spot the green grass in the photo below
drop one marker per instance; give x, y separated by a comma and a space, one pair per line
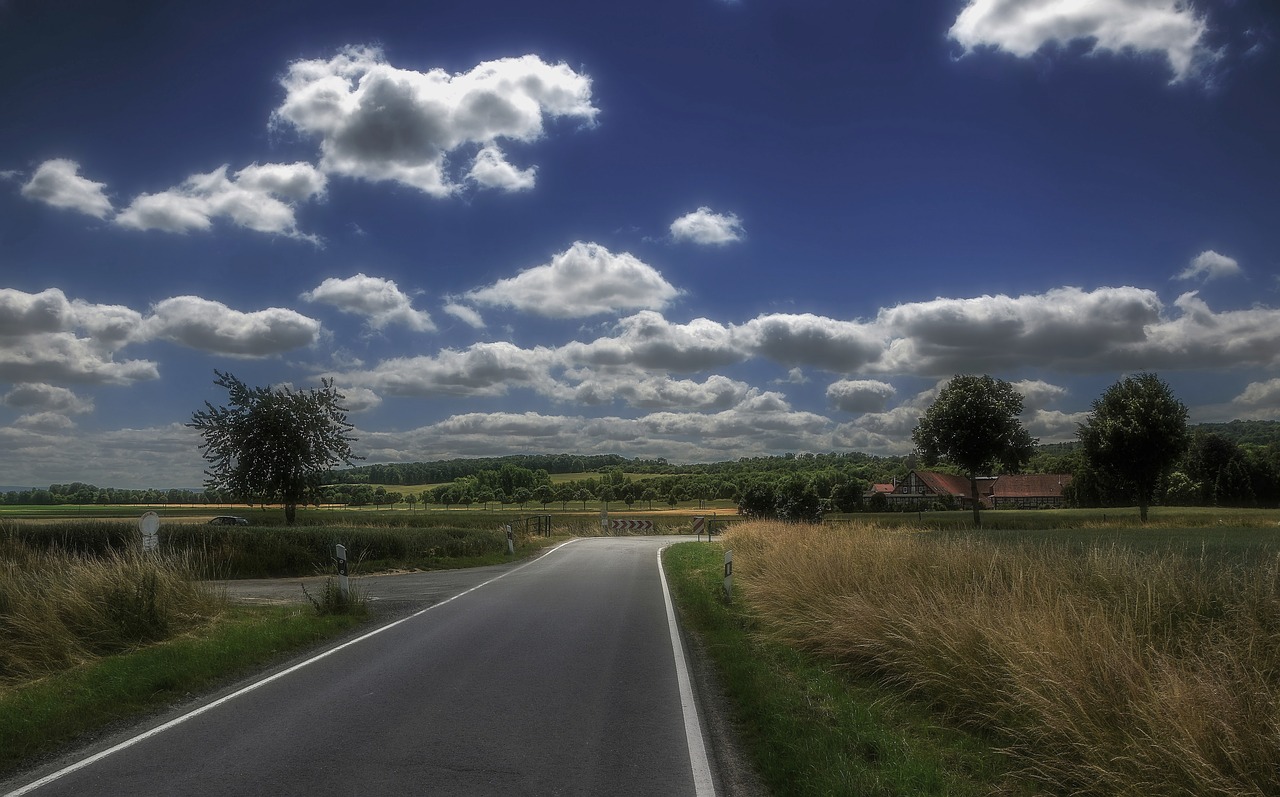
39, 717
812, 729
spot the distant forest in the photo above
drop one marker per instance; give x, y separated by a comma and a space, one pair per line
1229, 464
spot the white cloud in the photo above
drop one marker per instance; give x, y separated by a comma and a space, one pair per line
1023, 27
1063, 328
704, 226
39, 344
46, 398
465, 314
491, 170
807, 339
1265, 395
658, 392
49, 451
586, 279
258, 197
58, 183
1210, 265
379, 300
359, 399
59, 357
212, 326
483, 369
45, 422
648, 340
1038, 394
379, 122
859, 395
1052, 426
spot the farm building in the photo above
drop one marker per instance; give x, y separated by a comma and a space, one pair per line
922, 488
1029, 491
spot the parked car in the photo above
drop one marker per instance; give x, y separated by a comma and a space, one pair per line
229, 520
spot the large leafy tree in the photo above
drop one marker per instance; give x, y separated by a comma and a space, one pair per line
1135, 434
273, 444
973, 425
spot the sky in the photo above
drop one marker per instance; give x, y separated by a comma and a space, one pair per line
695, 229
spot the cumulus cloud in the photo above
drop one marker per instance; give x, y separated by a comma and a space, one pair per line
40, 397
39, 340
1023, 27
1065, 327
380, 122
859, 395
379, 300
584, 280
1210, 265
465, 314
658, 392
1261, 394
1199, 337
491, 170
1038, 394
61, 357
705, 226
58, 183
483, 369
258, 197
648, 340
359, 399
49, 451
807, 339
213, 327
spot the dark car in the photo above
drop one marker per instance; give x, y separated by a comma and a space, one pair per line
229, 520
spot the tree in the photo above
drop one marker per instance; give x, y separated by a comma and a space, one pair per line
273, 444
973, 424
1134, 435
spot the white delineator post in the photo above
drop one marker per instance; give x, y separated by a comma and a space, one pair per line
728, 574
343, 583
511, 540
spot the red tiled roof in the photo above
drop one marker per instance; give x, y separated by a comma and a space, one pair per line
945, 483
882, 488
1032, 485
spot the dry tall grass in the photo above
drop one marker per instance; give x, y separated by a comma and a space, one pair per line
59, 609
1110, 672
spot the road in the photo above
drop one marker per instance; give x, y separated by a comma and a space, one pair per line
560, 676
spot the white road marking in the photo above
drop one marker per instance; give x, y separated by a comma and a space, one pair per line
703, 784
173, 723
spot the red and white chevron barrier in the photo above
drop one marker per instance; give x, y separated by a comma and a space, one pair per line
631, 525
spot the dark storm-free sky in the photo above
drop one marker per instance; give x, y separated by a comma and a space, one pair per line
697, 230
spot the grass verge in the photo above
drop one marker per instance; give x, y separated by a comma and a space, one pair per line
38, 717
810, 727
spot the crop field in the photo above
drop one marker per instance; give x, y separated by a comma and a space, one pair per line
1105, 658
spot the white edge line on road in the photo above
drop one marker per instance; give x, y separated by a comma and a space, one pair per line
703, 784
159, 729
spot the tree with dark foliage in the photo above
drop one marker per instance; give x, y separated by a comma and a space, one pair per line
1134, 435
973, 424
273, 444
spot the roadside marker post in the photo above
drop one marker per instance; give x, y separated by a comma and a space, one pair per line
728, 574
511, 540
343, 583
699, 522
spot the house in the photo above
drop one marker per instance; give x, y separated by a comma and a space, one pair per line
922, 488
1029, 491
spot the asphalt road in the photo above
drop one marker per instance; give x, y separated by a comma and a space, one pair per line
555, 677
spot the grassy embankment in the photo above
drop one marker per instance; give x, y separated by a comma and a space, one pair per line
1102, 661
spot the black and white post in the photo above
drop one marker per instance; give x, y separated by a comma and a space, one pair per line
511, 540
728, 574
343, 584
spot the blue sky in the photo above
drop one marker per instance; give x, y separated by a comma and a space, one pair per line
699, 230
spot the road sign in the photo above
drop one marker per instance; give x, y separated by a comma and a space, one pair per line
149, 525
631, 525
700, 523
